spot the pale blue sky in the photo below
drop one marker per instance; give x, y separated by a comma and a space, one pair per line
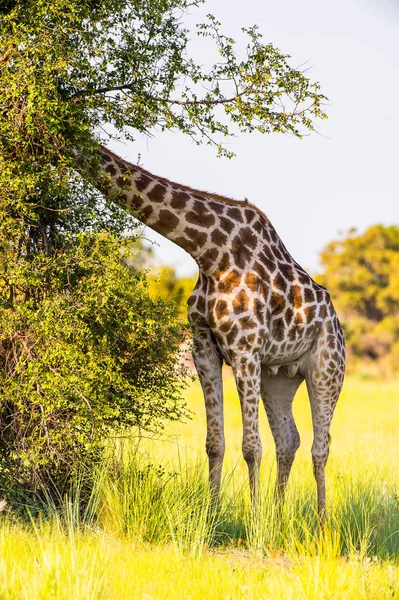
314, 188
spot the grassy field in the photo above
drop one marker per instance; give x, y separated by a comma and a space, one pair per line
147, 532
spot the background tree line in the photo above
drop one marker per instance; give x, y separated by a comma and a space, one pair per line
361, 271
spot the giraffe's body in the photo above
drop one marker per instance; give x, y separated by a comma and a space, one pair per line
253, 307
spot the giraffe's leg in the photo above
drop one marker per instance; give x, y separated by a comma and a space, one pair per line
247, 375
208, 362
324, 386
277, 393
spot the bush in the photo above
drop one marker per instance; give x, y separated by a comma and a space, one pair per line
85, 352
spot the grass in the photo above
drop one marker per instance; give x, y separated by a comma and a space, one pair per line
148, 531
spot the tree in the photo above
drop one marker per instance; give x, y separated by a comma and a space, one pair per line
362, 273
71, 73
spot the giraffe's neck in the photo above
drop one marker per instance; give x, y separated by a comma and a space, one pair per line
182, 215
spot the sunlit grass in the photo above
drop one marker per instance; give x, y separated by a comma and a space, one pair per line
53, 562
147, 530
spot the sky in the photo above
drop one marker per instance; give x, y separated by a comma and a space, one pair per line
313, 190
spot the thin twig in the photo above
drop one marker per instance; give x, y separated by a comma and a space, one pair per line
6, 55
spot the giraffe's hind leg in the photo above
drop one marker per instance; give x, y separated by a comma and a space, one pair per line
323, 399
324, 380
277, 393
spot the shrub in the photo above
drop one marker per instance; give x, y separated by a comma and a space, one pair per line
85, 353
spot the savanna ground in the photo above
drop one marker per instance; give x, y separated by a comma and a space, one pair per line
147, 532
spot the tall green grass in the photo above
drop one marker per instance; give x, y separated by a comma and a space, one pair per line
143, 526
145, 529
135, 499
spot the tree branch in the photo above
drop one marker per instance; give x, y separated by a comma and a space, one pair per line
6, 54
129, 86
102, 90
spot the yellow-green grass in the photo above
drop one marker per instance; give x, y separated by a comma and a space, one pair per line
49, 564
148, 531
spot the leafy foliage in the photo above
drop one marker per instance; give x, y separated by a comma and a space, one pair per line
86, 354
362, 273
80, 65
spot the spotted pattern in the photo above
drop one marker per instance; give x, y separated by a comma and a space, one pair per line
254, 308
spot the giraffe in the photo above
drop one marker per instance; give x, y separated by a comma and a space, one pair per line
253, 308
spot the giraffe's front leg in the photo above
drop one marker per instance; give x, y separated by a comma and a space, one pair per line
208, 362
247, 371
